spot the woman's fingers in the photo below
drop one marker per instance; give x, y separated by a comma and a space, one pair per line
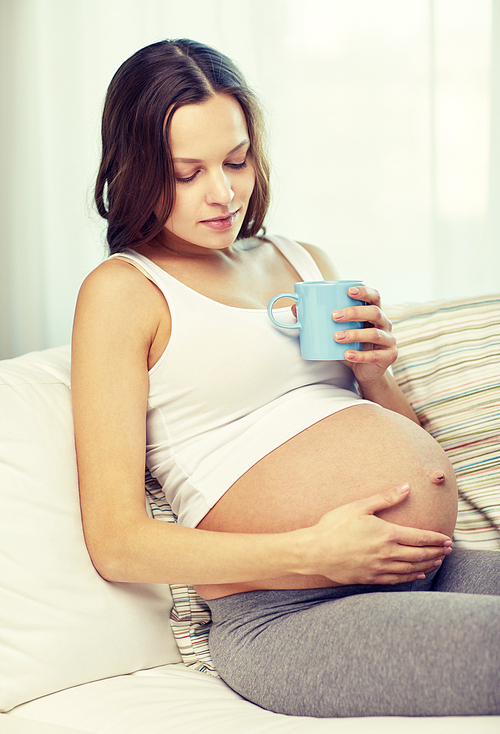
377, 337
362, 293
415, 539
383, 500
371, 314
393, 579
411, 560
354, 546
402, 572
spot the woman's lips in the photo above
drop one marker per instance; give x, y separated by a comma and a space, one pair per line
220, 223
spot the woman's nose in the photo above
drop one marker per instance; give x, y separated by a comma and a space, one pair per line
220, 190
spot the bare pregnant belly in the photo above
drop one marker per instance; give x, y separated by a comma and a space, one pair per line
352, 454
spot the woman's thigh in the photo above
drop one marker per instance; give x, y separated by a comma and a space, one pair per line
469, 572
366, 654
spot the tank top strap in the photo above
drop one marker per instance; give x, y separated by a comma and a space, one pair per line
163, 280
297, 256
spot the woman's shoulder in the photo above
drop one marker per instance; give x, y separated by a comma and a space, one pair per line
120, 292
115, 277
320, 257
322, 260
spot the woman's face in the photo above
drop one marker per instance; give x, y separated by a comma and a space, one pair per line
214, 172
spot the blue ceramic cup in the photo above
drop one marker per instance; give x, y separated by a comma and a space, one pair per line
316, 299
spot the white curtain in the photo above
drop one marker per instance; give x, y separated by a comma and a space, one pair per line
384, 120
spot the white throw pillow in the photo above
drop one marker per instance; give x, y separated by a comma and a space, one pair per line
61, 624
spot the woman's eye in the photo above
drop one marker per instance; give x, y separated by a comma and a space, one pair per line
233, 166
238, 165
179, 179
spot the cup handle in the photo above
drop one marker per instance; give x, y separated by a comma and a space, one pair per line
270, 310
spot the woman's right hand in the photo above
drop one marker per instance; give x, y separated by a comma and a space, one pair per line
351, 545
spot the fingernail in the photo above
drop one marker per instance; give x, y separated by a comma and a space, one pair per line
437, 562
340, 336
337, 315
351, 356
354, 291
403, 488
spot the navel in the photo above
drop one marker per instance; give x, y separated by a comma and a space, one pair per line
438, 477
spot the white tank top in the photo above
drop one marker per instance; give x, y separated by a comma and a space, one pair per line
229, 388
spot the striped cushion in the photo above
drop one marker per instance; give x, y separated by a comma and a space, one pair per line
449, 368
190, 616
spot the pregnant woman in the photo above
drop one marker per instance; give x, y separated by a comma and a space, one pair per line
311, 505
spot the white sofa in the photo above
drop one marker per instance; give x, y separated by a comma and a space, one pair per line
79, 654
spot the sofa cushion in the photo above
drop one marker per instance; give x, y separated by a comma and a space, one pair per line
449, 368
176, 700
61, 624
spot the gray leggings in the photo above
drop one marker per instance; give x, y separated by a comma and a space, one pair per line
361, 651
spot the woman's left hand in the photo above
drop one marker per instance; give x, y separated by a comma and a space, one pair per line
379, 345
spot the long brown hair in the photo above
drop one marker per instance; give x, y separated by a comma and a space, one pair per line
136, 172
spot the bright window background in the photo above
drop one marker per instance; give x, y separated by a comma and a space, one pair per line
384, 120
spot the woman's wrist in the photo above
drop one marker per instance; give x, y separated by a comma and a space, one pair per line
301, 552
377, 388
386, 392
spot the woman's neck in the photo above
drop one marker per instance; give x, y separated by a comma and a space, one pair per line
169, 244
172, 242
